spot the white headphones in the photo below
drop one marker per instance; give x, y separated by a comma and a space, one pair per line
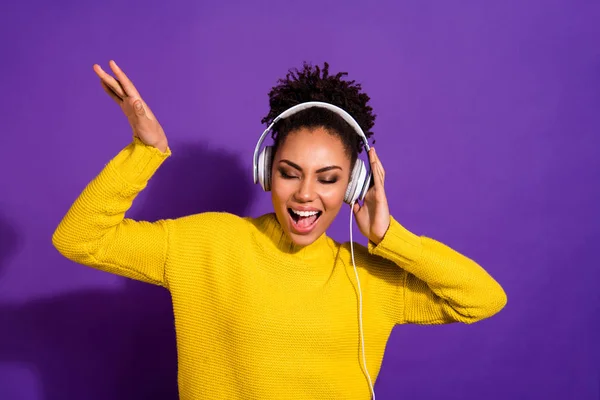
360, 178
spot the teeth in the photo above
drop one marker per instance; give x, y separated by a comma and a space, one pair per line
304, 213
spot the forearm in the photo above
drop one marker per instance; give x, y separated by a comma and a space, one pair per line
461, 290
95, 232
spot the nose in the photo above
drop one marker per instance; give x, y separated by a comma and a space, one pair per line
306, 191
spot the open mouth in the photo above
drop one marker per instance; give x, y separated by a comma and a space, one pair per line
304, 220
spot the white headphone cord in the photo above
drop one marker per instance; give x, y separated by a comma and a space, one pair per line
362, 338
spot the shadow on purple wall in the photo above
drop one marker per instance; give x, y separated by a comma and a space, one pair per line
9, 241
99, 344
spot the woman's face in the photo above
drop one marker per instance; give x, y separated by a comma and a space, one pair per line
309, 178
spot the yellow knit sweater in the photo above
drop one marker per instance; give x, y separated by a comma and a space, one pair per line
257, 317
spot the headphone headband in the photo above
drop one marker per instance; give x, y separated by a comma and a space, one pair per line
296, 109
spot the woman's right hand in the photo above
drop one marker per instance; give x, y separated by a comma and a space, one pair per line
144, 124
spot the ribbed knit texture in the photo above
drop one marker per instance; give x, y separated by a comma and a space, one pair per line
257, 317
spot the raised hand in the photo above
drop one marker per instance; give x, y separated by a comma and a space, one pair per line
373, 217
144, 124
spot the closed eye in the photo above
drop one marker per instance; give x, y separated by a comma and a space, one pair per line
328, 181
285, 175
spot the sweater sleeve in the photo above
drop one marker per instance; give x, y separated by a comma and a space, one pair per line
439, 285
95, 232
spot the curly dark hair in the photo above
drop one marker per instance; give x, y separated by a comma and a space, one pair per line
316, 84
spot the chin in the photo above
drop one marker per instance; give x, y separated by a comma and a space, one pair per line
302, 240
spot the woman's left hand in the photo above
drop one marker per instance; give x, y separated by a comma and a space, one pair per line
373, 217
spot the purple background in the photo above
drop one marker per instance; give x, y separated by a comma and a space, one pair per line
488, 119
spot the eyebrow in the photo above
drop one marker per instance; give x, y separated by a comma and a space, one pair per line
324, 169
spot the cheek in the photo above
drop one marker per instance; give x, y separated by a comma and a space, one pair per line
333, 197
281, 189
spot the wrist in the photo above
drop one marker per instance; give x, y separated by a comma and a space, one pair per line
377, 236
163, 145
160, 143
398, 242
376, 239
138, 161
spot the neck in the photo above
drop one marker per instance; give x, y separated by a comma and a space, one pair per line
277, 240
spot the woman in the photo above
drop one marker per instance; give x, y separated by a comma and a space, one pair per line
270, 307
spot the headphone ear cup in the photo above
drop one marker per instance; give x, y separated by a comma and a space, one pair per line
264, 168
366, 185
357, 182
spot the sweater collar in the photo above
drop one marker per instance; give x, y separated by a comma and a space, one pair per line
275, 238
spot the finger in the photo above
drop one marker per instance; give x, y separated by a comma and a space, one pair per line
381, 172
376, 156
378, 177
373, 158
139, 108
148, 111
110, 92
110, 81
128, 86
375, 169
371, 154
379, 166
